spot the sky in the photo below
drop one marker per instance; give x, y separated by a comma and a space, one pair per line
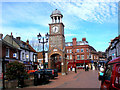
97, 21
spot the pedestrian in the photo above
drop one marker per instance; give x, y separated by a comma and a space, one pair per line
95, 67
71, 68
87, 68
91, 67
99, 67
83, 66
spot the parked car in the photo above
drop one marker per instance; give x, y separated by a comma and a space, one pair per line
31, 71
50, 72
110, 79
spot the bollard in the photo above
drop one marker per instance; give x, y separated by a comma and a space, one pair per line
35, 78
21, 81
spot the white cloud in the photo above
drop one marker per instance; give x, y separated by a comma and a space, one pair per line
89, 11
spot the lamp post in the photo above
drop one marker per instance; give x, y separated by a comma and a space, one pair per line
44, 40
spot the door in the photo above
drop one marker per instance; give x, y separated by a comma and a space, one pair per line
106, 83
117, 77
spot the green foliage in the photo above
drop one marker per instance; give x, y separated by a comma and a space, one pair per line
14, 70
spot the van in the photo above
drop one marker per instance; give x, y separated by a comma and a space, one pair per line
110, 79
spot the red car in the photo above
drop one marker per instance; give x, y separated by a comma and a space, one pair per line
31, 71
111, 76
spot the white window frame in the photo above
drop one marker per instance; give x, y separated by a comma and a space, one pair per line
78, 56
34, 58
78, 50
82, 57
70, 56
70, 50
17, 55
23, 56
8, 52
67, 56
87, 56
67, 50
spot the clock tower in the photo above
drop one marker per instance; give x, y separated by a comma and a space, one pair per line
56, 51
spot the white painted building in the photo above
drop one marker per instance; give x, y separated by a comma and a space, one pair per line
113, 50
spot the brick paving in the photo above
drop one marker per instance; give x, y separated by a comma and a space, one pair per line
81, 79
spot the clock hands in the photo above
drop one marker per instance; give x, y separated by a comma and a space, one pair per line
55, 29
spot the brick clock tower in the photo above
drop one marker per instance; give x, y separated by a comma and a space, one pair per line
56, 53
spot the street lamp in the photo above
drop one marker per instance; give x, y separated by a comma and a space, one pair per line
45, 40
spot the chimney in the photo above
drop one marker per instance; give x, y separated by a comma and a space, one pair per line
1, 36
83, 39
11, 33
18, 38
27, 41
74, 41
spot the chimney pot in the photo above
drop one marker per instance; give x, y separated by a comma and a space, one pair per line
18, 38
83, 39
74, 41
11, 33
27, 41
1, 36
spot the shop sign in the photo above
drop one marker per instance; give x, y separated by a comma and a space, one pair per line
14, 55
27, 56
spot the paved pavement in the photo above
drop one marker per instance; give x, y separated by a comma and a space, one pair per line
81, 79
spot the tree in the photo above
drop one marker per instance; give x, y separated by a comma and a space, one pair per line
38, 46
14, 70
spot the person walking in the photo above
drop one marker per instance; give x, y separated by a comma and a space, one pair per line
71, 68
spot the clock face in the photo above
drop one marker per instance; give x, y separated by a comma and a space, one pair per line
55, 29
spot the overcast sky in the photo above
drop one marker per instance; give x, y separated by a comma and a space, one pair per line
97, 21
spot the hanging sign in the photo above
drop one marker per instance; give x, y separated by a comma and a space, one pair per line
14, 55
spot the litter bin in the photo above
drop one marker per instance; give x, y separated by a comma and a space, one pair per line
21, 81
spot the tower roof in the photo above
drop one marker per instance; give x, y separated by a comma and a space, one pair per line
56, 12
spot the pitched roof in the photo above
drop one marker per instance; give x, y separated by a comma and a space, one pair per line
23, 44
8, 44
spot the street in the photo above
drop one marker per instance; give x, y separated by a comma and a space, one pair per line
81, 79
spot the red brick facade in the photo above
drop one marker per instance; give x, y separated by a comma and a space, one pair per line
80, 53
